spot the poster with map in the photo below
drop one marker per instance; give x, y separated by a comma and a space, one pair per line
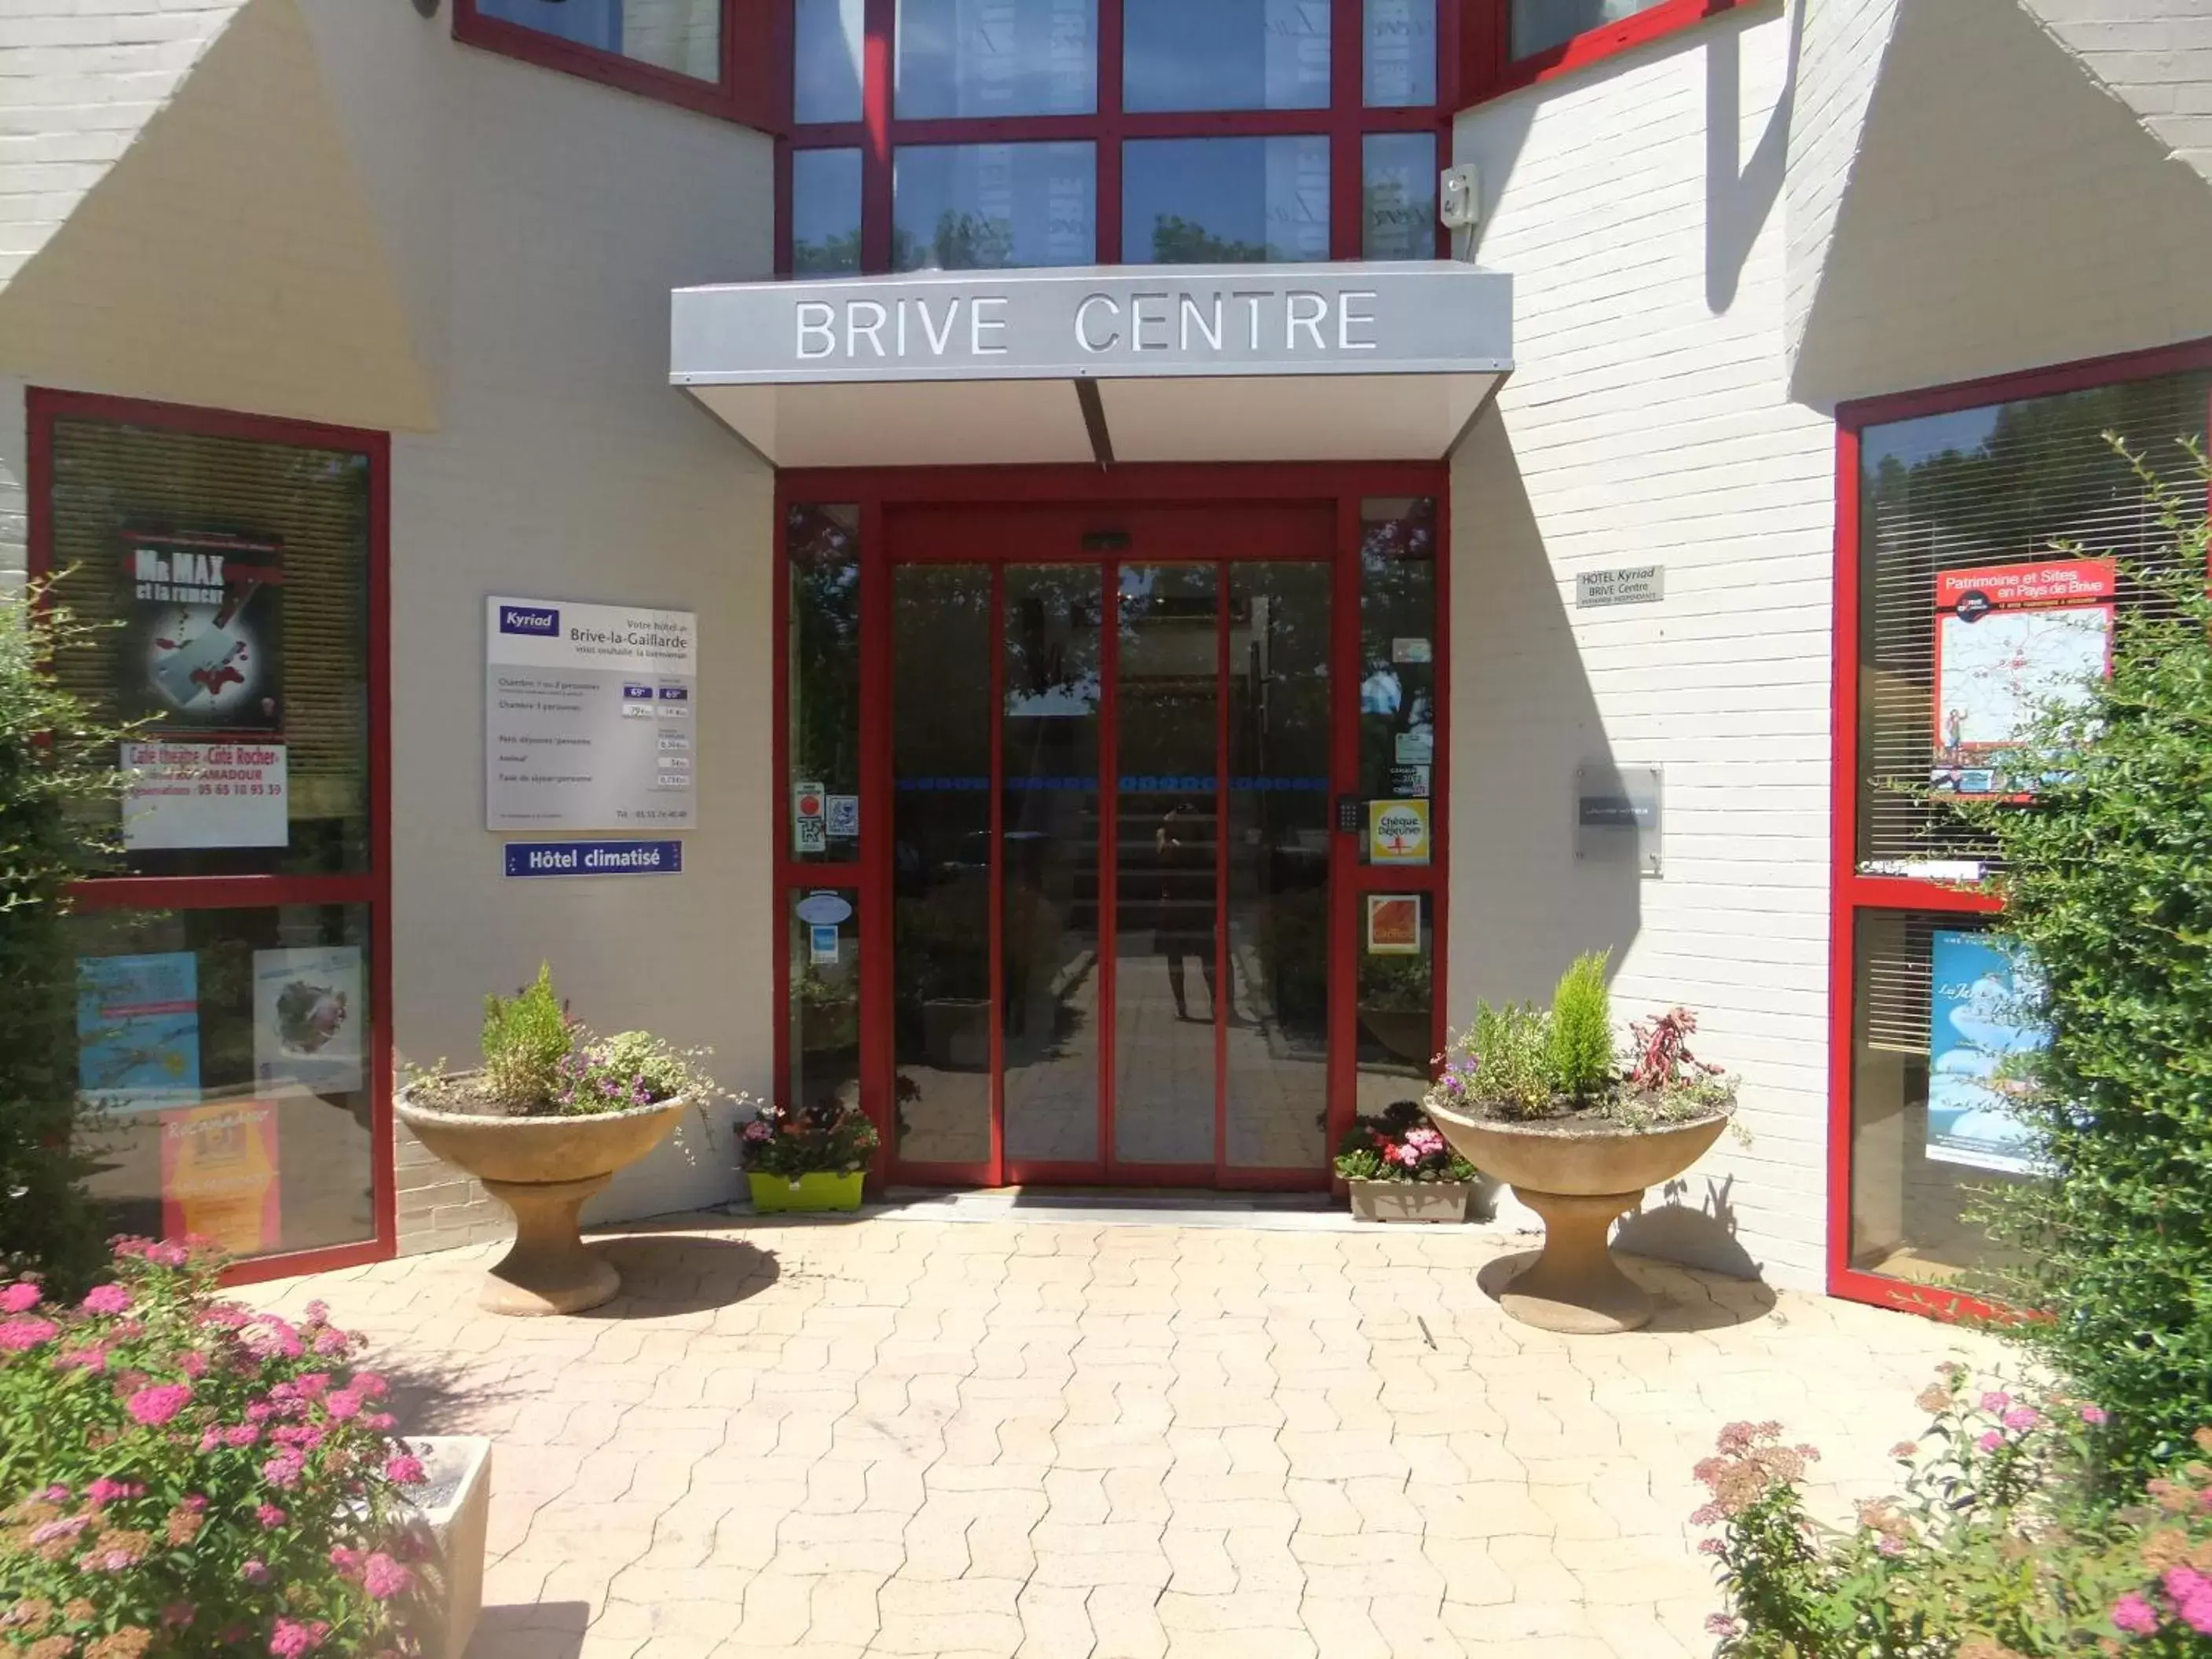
2010, 640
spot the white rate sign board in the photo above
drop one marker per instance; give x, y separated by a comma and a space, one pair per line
588, 712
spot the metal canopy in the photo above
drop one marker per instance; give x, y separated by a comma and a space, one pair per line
1382, 362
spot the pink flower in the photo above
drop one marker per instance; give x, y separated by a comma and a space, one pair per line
346, 1559
384, 1578
328, 1341
110, 1556
167, 1255
20, 1297
1996, 1401
69, 1526
1890, 1545
382, 1422
18, 1334
106, 1299
2095, 1416
241, 1435
1720, 1623
193, 1362
2022, 1417
104, 1490
291, 1639
270, 1516
179, 1614
253, 1570
370, 1385
404, 1469
93, 1358
1711, 1547
284, 1469
342, 1403
57, 1493
157, 1405
2192, 1594
310, 1384
318, 1312
2134, 1615
268, 1337
1990, 1440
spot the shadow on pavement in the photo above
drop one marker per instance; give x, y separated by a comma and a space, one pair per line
1687, 1301
540, 1629
673, 1273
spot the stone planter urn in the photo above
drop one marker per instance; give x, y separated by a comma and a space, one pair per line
543, 1169
1410, 1201
1580, 1178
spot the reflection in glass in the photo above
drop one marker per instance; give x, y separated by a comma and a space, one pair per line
1398, 196
822, 549
1195, 201
287, 528
826, 212
826, 59
1049, 862
228, 1052
982, 207
824, 1010
1910, 1195
1225, 54
1166, 985
1396, 1012
941, 650
1540, 25
1400, 68
1397, 652
681, 35
1279, 852
984, 57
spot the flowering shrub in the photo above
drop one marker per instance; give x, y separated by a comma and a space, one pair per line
2000, 1545
828, 1137
1524, 1064
182, 1476
1399, 1143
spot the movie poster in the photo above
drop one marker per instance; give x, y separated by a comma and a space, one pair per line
203, 634
219, 1176
2010, 640
307, 1015
138, 1030
1983, 1014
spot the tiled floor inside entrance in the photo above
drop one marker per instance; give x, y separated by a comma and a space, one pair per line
901, 1435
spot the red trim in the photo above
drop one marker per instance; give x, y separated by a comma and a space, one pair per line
1850, 893
754, 87
372, 887
1489, 69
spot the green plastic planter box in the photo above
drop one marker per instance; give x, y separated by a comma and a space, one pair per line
821, 1189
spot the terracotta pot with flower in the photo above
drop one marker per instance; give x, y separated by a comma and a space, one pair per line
1400, 1168
1542, 1100
552, 1114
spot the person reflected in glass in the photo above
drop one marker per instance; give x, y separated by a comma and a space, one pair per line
1183, 847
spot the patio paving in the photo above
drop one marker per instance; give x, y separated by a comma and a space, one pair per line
932, 1437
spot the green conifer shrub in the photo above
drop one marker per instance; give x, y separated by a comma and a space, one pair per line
1581, 1035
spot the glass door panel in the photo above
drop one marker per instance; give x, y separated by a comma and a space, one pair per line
1278, 912
941, 663
1048, 905
1167, 722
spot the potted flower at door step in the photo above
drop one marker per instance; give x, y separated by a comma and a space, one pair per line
553, 1112
812, 1159
1540, 1099
1400, 1168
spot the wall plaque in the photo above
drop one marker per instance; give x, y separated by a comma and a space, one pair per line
1635, 583
1617, 814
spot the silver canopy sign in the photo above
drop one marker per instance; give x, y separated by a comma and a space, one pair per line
1390, 361
1424, 317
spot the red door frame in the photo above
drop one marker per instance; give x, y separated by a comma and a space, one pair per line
1852, 893
1158, 496
371, 887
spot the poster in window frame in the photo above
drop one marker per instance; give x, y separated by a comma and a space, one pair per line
1991, 621
1982, 1019
203, 639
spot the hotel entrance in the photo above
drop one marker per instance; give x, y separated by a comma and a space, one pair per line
1114, 817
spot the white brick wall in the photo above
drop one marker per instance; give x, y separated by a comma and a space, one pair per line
1648, 421
2155, 55
2004, 210
341, 214
1839, 57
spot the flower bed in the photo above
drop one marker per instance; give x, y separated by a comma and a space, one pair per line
181, 1476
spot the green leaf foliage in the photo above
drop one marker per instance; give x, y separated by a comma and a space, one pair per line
2106, 879
58, 761
526, 1038
1581, 1036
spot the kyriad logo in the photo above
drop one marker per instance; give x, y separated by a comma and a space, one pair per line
542, 622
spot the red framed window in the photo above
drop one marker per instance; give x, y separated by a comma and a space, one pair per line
944, 134
1943, 497
234, 970
1509, 44
718, 57
975, 873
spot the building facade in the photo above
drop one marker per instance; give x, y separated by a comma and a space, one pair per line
1616, 570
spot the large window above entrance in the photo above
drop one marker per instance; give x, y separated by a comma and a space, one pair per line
959, 135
